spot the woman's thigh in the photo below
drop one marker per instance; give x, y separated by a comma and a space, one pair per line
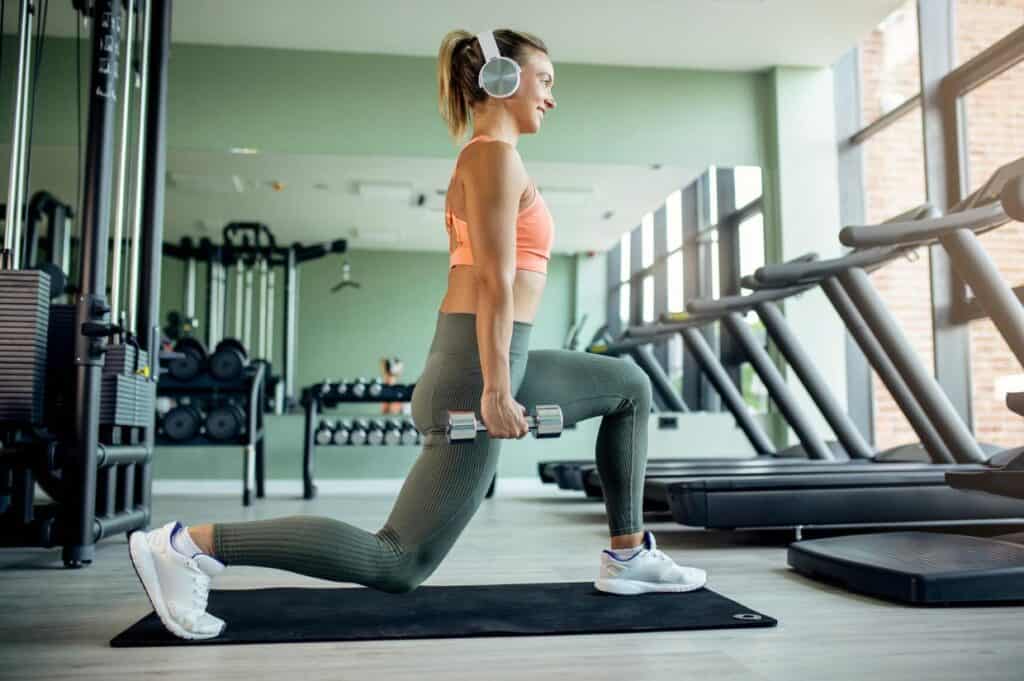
583, 384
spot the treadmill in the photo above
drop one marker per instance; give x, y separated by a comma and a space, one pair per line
812, 449
569, 474
841, 495
852, 450
658, 479
931, 568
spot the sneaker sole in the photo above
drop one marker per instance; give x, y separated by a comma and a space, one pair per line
621, 587
142, 563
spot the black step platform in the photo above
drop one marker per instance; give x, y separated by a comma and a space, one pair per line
916, 567
853, 498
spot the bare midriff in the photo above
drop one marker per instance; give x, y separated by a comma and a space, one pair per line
527, 289
527, 286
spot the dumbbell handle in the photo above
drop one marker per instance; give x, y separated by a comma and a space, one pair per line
463, 425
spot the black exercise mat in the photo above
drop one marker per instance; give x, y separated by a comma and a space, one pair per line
362, 614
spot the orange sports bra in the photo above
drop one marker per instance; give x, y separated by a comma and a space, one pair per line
535, 232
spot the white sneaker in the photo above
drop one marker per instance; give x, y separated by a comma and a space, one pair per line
646, 571
177, 585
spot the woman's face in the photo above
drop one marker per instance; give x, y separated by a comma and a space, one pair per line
533, 99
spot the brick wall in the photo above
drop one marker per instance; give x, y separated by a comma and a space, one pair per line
894, 181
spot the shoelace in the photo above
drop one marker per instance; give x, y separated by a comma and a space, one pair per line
200, 586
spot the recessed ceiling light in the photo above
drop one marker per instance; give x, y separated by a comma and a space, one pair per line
247, 151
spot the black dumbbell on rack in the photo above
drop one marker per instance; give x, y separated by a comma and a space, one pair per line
225, 423
182, 423
229, 360
192, 360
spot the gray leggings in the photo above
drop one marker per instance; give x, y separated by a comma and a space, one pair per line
447, 483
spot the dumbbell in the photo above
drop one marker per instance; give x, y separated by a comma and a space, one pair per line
182, 423
226, 423
324, 434
358, 388
228, 360
192, 361
546, 421
358, 434
392, 432
409, 432
375, 433
341, 432
340, 390
375, 388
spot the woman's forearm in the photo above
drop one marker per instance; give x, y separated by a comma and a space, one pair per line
494, 319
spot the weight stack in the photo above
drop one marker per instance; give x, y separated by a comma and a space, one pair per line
127, 396
24, 329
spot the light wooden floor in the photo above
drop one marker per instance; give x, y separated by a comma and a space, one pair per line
56, 624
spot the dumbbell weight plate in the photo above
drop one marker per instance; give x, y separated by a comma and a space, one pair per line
324, 436
548, 421
191, 364
182, 423
225, 423
229, 360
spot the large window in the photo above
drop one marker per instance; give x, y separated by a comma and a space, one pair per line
894, 183
973, 65
694, 262
890, 63
995, 136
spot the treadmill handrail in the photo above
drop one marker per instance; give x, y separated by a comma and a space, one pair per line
813, 272
739, 303
979, 220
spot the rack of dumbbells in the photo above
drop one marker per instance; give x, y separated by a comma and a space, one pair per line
242, 274
215, 400
351, 432
76, 389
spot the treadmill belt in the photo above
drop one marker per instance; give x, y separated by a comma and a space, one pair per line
872, 497
292, 615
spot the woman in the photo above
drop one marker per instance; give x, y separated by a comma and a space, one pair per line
500, 234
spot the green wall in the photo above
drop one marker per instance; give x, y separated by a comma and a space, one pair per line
305, 102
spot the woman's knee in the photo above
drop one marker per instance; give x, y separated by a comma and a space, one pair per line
409, 574
637, 384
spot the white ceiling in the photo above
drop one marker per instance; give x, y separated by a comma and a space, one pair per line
318, 200
704, 34
707, 34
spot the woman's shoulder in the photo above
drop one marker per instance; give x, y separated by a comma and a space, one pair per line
490, 159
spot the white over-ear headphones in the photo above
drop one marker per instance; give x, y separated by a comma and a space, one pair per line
499, 77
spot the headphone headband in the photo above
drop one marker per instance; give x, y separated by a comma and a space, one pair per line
489, 45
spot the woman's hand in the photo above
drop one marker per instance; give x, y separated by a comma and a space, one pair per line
503, 416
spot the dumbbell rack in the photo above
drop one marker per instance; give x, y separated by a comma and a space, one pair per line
316, 397
251, 387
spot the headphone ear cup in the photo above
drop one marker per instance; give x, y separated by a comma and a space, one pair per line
499, 77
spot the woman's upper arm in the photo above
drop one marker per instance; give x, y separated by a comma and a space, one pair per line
494, 181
